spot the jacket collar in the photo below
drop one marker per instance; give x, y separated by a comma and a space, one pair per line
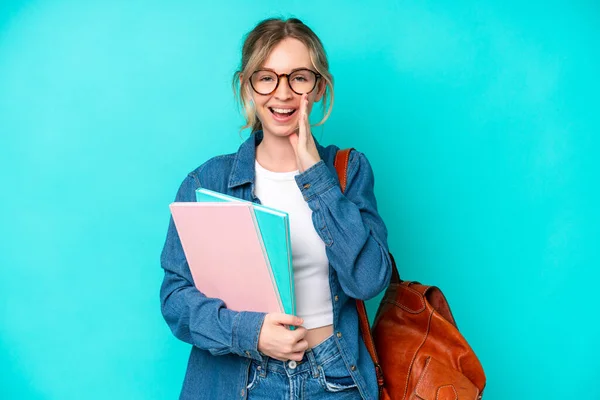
243, 170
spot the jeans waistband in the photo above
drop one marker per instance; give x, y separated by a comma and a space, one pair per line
314, 357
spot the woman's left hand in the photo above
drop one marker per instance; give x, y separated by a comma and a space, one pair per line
303, 141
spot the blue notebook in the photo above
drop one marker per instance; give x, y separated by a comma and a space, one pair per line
274, 226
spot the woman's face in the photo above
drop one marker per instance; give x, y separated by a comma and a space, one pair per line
279, 111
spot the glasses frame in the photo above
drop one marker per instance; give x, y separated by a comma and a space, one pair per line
287, 78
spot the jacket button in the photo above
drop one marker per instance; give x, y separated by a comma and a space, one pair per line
247, 353
353, 367
339, 334
336, 297
306, 186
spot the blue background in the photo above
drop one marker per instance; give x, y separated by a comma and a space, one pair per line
480, 119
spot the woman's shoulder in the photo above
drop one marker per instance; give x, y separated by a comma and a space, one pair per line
356, 159
359, 172
212, 174
218, 164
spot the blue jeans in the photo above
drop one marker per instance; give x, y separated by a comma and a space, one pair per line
322, 374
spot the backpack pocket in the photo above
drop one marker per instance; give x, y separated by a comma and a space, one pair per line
440, 382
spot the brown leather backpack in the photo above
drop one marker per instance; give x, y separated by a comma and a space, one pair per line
418, 352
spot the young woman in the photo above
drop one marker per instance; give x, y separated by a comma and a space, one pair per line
339, 241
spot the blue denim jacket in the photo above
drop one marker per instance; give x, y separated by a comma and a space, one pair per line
224, 341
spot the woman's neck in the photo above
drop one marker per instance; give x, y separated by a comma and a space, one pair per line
276, 154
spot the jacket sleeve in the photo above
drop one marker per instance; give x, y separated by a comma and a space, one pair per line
349, 224
194, 318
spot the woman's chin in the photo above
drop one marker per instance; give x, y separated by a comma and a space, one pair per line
280, 131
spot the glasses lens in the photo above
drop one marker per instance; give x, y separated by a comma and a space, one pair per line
264, 82
303, 81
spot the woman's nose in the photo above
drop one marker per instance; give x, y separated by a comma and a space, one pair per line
283, 91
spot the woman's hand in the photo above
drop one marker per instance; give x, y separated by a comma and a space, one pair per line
278, 342
302, 141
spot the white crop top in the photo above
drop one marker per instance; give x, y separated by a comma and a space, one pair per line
311, 266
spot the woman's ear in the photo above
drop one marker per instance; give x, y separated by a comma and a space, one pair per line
246, 90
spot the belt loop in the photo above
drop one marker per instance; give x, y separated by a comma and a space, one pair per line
314, 368
263, 366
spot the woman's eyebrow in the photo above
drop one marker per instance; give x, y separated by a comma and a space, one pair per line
292, 71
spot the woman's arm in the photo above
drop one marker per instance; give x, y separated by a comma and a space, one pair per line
349, 224
194, 318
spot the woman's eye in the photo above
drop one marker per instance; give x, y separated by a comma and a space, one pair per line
300, 78
266, 79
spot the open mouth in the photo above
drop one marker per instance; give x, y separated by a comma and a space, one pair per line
282, 112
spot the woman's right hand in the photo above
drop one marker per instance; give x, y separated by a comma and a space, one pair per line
279, 342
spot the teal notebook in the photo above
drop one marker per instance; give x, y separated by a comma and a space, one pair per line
274, 226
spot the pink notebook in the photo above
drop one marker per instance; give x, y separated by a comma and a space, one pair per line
225, 254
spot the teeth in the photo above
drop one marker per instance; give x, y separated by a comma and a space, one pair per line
283, 110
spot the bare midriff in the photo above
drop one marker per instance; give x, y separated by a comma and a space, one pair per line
317, 335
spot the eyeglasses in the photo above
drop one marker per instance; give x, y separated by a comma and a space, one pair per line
301, 81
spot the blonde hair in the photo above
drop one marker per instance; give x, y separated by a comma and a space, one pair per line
258, 45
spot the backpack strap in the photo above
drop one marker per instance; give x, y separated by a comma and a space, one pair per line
341, 166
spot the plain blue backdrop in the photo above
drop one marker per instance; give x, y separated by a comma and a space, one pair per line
480, 119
